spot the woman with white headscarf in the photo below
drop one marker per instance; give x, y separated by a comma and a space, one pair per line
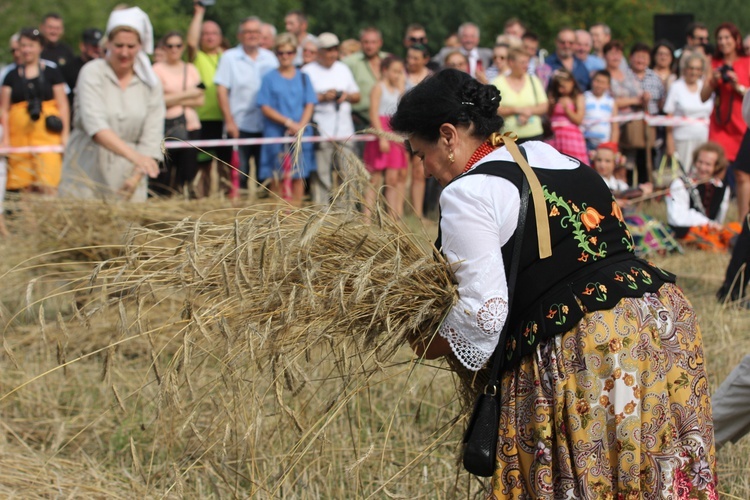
119, 117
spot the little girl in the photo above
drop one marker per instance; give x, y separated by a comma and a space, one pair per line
566, 110
384, 155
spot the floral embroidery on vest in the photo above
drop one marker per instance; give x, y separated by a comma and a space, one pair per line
584, 220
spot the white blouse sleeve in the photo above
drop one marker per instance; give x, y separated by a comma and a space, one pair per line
479, 215
679, 212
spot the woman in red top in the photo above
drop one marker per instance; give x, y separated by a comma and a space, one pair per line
729, 81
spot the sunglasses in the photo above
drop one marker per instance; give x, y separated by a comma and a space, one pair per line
286, 52
414, 39
173, 45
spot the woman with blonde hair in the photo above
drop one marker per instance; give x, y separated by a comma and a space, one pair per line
119, 118
35, 112
287, 100
524, 99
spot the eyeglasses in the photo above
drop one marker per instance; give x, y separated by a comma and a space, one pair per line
695, 68
566, 42
417, 39
702, 39
286, 52
173, 45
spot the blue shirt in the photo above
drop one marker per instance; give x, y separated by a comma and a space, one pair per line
594, 63
242, 76
580, 73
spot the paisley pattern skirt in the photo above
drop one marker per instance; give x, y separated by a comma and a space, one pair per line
617, 407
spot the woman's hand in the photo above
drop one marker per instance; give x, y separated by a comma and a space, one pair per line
292, 127
566, 102
384, 144
145, 165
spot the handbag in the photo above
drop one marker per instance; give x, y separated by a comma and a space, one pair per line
481, 435
177, 127
636, 134
664, 175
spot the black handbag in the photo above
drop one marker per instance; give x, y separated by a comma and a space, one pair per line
176, 128
481, 435
54, 124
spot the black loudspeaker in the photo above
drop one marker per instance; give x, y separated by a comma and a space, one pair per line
672, 27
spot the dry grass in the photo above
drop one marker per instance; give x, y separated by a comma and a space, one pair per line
200, 361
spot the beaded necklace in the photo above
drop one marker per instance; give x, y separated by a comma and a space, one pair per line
483, 150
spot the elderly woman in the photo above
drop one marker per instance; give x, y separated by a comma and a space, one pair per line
684, 101
34, 110
603, 388
119, 122
524, 99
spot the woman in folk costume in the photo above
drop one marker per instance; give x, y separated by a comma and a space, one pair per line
119, 118
603, 390
697, 206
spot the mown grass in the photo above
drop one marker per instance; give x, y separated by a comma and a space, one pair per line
81, 420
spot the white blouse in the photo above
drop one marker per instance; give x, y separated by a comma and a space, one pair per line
681, 214
479, 214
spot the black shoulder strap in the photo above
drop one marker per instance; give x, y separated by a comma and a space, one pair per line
497, 362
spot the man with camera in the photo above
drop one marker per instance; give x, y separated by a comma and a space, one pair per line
336, 90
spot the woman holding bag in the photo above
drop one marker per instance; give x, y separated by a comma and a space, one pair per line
603, 389
182, 94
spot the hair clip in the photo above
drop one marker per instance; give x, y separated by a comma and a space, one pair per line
466, 103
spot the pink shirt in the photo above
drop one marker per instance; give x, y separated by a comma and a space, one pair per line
174, 80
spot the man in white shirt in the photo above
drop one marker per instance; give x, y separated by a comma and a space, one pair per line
480, 58
238, 78
336, 90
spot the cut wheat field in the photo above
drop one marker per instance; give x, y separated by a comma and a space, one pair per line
140, 377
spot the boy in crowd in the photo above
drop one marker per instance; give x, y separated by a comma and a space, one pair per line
598, 125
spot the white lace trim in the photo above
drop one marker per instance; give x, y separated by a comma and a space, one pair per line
475, 339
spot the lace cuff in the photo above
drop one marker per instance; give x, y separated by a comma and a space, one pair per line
473, 337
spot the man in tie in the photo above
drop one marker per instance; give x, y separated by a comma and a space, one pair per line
479, 57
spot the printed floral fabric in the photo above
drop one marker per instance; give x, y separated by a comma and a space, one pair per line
615, 408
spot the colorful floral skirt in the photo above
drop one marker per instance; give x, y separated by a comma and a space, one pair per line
616, 408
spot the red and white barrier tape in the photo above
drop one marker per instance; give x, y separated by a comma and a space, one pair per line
652, 120
208, 143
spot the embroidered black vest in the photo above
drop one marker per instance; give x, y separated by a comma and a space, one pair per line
711, 198
592, 265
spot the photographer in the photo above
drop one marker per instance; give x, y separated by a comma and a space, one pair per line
35, 112
728, 81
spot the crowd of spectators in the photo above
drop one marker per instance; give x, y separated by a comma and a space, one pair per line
112, 104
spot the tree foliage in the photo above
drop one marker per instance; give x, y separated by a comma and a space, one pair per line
630, 20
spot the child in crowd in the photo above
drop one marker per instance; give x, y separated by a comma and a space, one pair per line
384, 155
566, 110
607, 162
598, 125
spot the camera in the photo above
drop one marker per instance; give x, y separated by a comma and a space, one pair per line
724, 70
339, 93
35, 109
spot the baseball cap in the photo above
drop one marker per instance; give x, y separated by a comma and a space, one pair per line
92, 36
327, 41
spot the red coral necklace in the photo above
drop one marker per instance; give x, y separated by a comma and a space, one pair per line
483, 150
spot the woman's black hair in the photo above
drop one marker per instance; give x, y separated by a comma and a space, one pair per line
448, 96
666, 44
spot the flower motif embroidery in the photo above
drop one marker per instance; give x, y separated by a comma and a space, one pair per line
492, 315
584, 257
554, 212
591, 218
701, 474
617, 212
543, 454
